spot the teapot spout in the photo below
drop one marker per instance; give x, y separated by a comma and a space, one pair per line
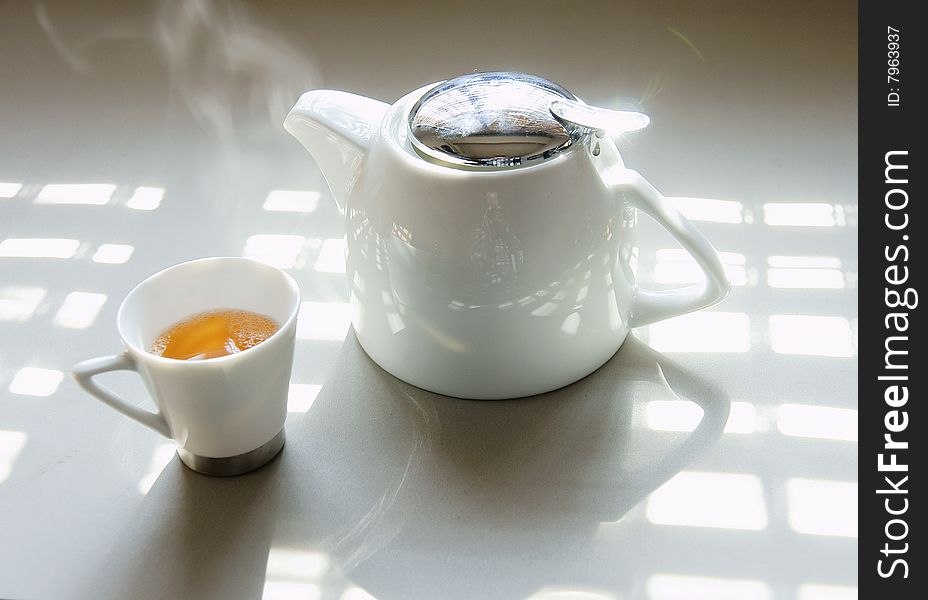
337, 129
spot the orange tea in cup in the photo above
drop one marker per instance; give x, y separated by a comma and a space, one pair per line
212, 334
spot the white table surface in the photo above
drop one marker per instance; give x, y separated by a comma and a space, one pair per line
612, 487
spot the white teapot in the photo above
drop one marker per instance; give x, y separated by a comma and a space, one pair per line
490, 225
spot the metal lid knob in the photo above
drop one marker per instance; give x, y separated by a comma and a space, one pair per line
504, 120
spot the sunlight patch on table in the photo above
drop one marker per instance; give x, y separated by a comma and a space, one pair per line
38, 248
822, 422
331, 258
804, 262
687, 587
160, 459
819, 507
571, 593
323, 321
283, 251
113, 254
812, 279
789, 214
805, 272
145, 198
11, 443
702, 332
96, 194
811, 335
19, 303
298, 201
708, 209
35, 381
292, 573
301, 396
718, 500
290, 590
685, 416
814, 591
356, 593
742, 418
80, 310
288, 563
673, 415
675, 265
9, 189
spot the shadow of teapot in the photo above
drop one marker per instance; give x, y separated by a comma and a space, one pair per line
573, 452
484, 483
380, 478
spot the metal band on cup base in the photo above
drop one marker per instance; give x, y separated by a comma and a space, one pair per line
239, 464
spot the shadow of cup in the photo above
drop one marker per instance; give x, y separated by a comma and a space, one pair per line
195, 536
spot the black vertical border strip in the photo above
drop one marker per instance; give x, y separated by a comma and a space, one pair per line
883, 128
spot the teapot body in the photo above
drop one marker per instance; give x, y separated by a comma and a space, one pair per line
490, 284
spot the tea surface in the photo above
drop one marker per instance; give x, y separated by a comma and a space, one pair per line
212, 334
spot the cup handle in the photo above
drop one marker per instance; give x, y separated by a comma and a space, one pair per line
84, 373
649, 306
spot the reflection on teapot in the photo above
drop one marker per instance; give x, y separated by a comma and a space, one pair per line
491, 232
496, 256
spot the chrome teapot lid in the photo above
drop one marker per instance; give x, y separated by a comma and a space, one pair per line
506, 119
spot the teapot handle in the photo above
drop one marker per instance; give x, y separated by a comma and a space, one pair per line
649, 306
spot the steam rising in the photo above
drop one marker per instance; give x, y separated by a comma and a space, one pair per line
221, 63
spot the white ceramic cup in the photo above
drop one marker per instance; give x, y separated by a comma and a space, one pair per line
225, 414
